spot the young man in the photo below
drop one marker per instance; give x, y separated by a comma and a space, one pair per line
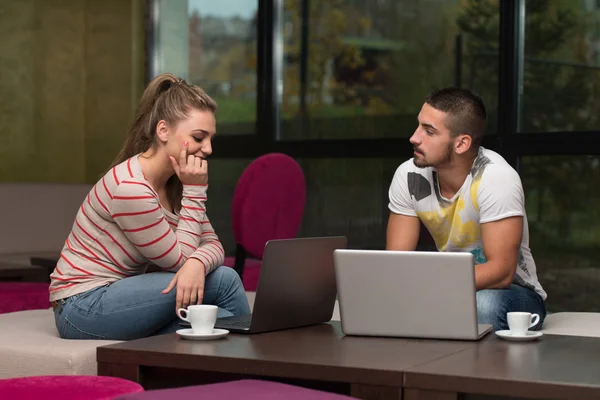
470, 199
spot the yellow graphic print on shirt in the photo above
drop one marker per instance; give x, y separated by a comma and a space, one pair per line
446, 225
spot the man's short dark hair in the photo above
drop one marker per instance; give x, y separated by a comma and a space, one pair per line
465, 109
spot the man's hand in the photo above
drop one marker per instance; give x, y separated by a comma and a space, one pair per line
190, 283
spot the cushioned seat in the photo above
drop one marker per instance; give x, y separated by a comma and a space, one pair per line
30, 345
247, 389
19, 296
66, 387
572, 324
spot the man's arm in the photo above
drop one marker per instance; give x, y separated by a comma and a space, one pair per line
501, 242
402, 232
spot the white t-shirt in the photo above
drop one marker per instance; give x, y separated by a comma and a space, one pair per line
491, 192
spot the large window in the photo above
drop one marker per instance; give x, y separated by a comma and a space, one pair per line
344, 197
212, 44
563, 208
343, 80
561, 64
362, 68
348, 197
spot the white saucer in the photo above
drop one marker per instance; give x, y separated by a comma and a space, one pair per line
530, 335
190, 335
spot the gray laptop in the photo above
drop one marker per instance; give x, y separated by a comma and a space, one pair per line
296, 286
407, 294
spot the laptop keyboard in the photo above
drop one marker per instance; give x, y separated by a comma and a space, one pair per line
237, 323
242, 320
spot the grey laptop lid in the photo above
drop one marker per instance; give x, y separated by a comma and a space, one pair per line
407, 294
296, 286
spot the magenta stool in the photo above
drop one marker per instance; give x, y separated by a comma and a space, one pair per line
20, 296
64, 387
247, 389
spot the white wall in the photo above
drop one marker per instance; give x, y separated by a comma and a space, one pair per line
37, 217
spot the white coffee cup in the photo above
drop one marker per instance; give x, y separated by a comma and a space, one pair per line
202, 317
520, 322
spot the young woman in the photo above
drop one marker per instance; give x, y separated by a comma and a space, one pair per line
148, 209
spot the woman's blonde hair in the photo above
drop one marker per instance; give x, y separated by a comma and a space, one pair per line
167, 98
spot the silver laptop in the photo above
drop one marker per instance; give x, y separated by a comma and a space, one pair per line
296, 286
407, 294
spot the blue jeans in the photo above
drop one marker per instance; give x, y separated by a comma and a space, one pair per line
134, 307
493, 304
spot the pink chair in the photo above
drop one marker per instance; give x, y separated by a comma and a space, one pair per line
66, 387
247, 389
19, 296
268, 203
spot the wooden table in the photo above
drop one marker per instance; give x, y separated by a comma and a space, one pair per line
12, 272
45, 260
320, 357
49, 261
557, 367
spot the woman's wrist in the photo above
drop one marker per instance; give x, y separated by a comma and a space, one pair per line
197, 264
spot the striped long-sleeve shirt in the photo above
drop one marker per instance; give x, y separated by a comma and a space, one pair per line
121, 227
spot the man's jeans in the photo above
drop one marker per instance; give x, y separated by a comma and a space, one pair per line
134, 307
493, 304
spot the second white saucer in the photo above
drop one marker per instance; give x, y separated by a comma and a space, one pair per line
530, 335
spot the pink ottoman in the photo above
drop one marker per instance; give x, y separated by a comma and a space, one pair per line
66, 387
19, 296
247, 389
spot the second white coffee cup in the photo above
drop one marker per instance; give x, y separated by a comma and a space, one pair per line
520, 322
202, 317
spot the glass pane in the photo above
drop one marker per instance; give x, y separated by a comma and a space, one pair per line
369, 64
563, 210
344, 197
562, 65
212, 44
348, 197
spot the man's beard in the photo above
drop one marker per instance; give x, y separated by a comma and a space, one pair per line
422, 163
